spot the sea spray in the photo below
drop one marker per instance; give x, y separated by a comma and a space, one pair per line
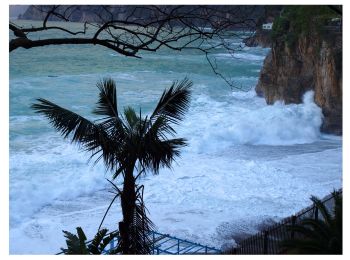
245, 162
247, 120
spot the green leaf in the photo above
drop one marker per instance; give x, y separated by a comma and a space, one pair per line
107, 103
174, 102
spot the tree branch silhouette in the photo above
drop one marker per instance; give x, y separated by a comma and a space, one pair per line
133, 30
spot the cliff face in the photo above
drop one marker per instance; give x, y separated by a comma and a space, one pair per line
260, 38
314, 62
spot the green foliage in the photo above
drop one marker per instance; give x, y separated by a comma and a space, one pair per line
76, 244
296, 21
318, 236
122, 140
280, 26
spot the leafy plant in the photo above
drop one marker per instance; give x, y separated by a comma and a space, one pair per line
322, 235
76, 244
124, 140
300, 20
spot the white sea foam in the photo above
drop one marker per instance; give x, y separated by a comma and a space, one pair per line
52, 170
243, 56
50, 173
245, 162
207, 199
211, 127
247, 120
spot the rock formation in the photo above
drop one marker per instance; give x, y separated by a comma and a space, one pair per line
260, 38
312, 62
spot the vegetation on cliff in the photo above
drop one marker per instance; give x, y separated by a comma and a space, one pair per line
306, 54
297, 21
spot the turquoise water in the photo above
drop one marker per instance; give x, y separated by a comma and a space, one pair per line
246, 162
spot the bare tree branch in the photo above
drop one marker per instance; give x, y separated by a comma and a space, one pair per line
27, 44
131, 29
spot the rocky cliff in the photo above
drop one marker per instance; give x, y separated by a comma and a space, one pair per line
311, 61
260, 38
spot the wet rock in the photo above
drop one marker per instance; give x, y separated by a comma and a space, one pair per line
314, 62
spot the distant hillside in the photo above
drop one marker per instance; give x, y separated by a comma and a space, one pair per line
97, 13
77, 13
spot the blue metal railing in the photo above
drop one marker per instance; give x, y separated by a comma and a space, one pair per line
164, 244
170, 245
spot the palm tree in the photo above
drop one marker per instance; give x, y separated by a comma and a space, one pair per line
124, 140
322, 235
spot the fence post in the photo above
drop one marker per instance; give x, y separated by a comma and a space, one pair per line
178, 246
293, 224
266, 239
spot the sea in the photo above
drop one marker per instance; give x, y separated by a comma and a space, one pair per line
247, 164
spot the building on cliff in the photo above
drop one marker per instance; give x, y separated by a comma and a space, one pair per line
267, 26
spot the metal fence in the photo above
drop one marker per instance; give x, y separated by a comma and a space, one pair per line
169, 245
264, 242
268, 240
164, 244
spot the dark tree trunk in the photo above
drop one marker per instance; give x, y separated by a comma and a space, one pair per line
128, 203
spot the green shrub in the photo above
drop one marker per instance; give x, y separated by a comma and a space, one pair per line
297, 21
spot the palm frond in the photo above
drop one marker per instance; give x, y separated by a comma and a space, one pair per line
322, 209
141, 226
65, 121
119, 171
107, 103
174, 102
160, 128
115, 128
301, 230
318, 236
131, 118
117, 194
139, 229
90, 136
320, 228
303, 246
160, 153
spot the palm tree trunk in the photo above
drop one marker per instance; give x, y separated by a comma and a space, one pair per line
128, 203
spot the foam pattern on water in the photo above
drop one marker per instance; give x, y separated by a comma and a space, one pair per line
245, 161
247, 120
52, 170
